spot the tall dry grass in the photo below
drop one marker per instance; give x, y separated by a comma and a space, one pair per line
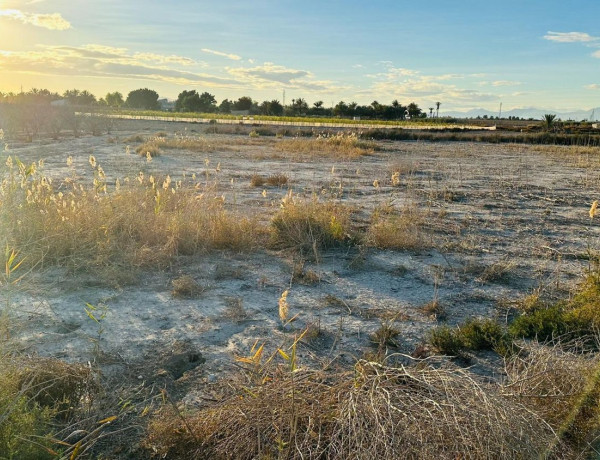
138, 222
339, 146
309, 226
156, 144
400, 230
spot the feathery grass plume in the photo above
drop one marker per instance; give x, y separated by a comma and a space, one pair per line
88, 228
593, 209
283, 306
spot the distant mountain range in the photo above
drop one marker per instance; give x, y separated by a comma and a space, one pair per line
529, 112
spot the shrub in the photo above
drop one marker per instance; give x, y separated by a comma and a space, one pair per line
481, 334
543, 324
447, 340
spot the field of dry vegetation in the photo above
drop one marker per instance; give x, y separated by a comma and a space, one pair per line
174, 292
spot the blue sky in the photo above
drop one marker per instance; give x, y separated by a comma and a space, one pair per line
465, 54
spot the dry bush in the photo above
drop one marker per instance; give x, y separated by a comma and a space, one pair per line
148, 148
374, 411
277, 180
403, 231
143, 222
134, 138
310, 225
186, 287
257, 180
341, 146
549, 379
37, 395
274, 180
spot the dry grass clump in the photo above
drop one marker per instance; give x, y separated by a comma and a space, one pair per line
234, 309
186, 287
142, 222
274, 180
341, 145
158, 143
374, 411
401, 231
134, 138
561, 384
36, 396
310, 225
149, 148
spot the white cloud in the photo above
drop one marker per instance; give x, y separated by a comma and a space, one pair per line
593, 86
233, 57
498, 83
596, 54
270, 75
570, 37
412, 85
52, 21
108, 62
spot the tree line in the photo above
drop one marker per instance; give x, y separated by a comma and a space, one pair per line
192, 101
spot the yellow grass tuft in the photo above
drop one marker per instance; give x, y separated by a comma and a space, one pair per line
341, 146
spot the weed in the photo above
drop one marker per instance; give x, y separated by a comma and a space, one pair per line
310, 226
186, 287
234, 309
435, 310
402, 231
385, 336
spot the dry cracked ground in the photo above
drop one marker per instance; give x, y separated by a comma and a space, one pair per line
495, 223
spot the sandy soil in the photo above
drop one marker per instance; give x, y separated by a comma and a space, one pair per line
503, 220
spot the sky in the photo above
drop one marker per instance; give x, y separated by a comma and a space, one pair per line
465, 53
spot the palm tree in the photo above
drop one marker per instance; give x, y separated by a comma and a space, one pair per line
430, 112
548, 121
437, 111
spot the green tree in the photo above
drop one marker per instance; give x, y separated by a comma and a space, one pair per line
225, 106
114, 99
142, 98
273, 108
437, 109
413, 110
243, 103
208, 103
76, 97
188, 101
